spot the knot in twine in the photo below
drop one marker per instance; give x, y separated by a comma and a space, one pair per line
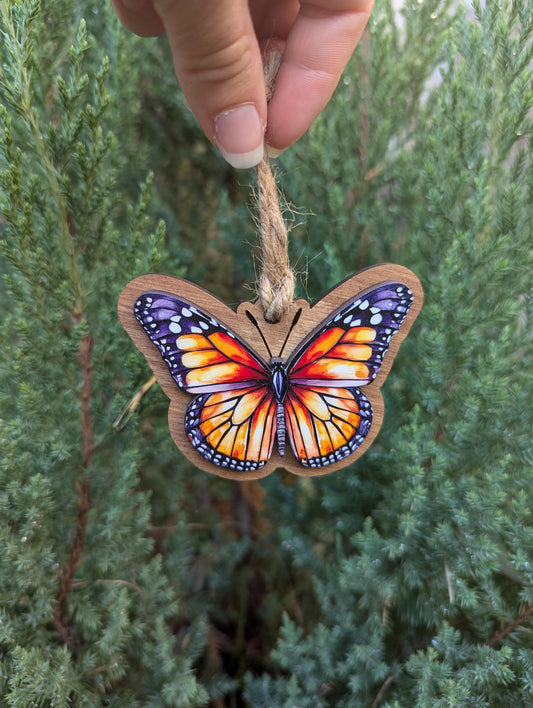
275, 285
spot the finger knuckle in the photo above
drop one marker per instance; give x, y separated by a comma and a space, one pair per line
221, 61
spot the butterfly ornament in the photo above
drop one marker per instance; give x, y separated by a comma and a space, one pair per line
247, 396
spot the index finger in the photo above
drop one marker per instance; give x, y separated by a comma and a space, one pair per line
318, 47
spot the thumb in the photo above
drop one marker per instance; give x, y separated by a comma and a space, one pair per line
218, 64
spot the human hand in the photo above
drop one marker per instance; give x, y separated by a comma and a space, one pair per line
217, 45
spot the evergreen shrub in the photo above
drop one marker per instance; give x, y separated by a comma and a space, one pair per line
129, 578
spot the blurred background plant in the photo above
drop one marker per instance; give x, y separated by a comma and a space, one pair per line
126, 576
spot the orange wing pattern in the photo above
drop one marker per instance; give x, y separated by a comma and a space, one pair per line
232, 422
234, 429
338, 355
324, 425
201, 353
327, 415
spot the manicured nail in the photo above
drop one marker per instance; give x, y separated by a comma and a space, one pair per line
239, 135
134, 5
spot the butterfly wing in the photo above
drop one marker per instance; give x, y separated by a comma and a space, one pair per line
231, 421
201, 353
325, 425
327, 416
234, 429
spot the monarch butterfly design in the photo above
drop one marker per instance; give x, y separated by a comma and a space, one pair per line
248, 396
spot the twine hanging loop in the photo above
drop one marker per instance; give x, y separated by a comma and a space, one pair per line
275, 284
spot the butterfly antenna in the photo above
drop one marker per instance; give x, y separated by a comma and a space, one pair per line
256, 325
293, 325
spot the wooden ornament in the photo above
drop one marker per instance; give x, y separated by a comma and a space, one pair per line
248, 396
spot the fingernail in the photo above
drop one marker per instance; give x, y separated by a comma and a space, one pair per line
239, 135
273, 152
134, 5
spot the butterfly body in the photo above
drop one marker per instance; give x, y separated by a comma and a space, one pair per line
316, 394
279, 379
279, 383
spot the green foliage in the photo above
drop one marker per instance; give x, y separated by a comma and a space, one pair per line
87, 607
129, 578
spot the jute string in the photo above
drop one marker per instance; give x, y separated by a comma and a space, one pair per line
275, 284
